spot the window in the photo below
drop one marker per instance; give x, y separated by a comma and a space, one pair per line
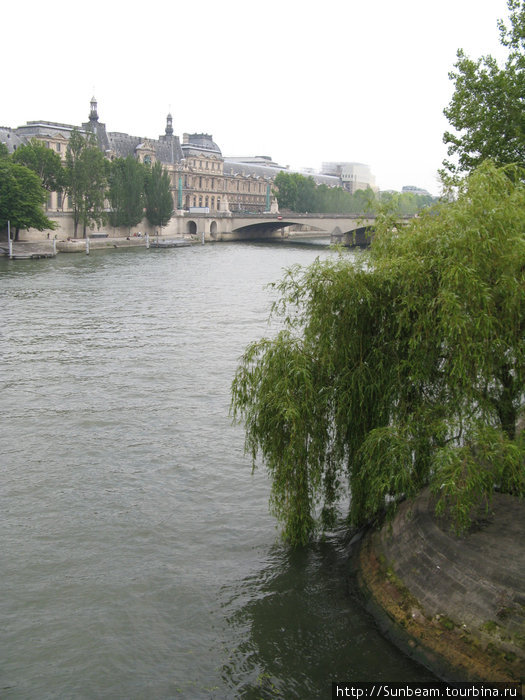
59, 200
58, 148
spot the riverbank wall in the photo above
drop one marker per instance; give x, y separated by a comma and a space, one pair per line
49, 248
456, 604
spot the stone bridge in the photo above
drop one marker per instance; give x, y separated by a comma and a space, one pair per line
347, 229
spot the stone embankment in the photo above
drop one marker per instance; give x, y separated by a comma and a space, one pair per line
48, 248
78, 245
457, 604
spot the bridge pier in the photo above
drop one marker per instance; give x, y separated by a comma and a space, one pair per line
358, 238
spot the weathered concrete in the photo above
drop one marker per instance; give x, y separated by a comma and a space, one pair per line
456, 603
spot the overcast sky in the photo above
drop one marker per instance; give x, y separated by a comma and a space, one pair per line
349, 80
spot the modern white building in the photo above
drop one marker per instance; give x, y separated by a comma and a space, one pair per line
353, 176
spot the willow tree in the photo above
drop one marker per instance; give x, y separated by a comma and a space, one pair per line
402, 369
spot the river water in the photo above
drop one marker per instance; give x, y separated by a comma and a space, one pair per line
137, 555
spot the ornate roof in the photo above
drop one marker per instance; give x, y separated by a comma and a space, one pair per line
200, 143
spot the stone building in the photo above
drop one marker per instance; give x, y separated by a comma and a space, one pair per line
201, 177
196, 167
264, 166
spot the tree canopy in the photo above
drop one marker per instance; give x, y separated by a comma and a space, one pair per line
159, 201
487, 110
126, 191
400, 369
86, 180
298, 193
21, 198
43, 161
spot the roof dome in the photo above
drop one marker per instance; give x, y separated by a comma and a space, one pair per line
203, 142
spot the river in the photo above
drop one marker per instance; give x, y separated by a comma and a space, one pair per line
137, 556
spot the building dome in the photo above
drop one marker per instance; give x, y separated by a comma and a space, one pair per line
200, 142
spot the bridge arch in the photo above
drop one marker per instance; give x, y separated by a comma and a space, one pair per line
213, 230
191, 227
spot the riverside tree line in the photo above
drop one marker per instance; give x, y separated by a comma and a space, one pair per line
405, 368
299, 193
98, 191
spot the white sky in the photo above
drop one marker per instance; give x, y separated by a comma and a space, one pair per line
304, 83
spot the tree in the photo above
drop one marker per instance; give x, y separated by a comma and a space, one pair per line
286, 190
126, 191
159, 201
44, 162
487, 109
402, 369
21, 198
300, 194
86, 180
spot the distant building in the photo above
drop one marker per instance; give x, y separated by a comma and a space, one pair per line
264, 166
415, 190
353, 176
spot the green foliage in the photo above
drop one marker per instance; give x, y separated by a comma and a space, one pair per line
298, 193
159, 201
486, 110
126, 191
466, 475
86, 180
44, 162
388, 367
21, 198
